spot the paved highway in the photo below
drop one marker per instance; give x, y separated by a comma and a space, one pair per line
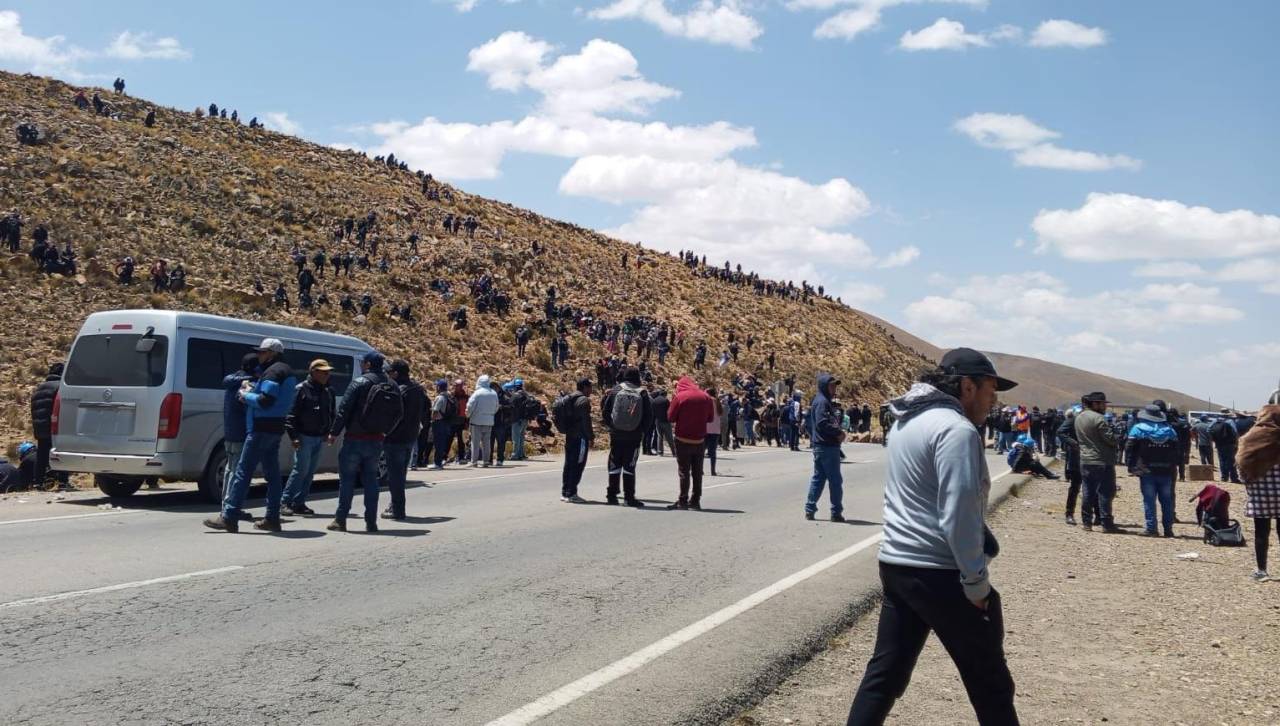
494, 604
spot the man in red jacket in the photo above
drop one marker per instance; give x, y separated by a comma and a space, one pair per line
689, 412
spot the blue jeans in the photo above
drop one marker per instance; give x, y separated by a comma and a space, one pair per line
826, 470
1099, 488
1227, 464
260, 449
1157, 486
358, 460
712, 441
517, 437
397, 470
306, 458
232, 449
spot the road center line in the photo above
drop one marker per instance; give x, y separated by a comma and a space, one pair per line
114, 588
567, 694
74, 516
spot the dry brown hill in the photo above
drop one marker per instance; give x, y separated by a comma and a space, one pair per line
1042, 383
230, 202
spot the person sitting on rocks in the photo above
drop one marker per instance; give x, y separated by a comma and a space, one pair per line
366, 303
150, 120
177, 278
253, 123
81, 101
322, 299
159, 276
348, 304
124, 271
98, 103
406, 313
282, 295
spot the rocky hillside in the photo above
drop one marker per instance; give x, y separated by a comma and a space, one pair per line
230, 203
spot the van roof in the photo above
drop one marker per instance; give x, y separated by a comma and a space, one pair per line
185, 319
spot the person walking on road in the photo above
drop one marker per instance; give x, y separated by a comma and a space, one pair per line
1258, 459
398, 446
627, 413
691, 412
827, 437
1152, 452
307, 424
572, 416
936, 546
1099, 444
268, 400
370, 409
482, 407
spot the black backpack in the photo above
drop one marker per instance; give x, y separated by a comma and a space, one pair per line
564, 413
1223, 434
383, 406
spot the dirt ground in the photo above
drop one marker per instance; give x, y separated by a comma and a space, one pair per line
1100, 629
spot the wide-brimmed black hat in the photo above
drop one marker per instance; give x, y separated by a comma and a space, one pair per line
969, 362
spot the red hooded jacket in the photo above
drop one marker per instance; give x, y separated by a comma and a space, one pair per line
690, 411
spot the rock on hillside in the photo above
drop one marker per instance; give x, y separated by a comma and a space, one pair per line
230, 202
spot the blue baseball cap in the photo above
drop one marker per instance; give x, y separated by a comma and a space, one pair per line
374, 359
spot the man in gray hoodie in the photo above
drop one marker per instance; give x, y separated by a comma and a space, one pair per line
933, 559
481, 409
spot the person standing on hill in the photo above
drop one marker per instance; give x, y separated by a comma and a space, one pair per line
572, 416
522, 339
398, 446
268, 401
827, 438
1099, 443
627, 414
692, 413
307, 424
42, 399
936, 546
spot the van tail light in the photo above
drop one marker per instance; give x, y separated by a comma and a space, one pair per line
57, 412
170, 416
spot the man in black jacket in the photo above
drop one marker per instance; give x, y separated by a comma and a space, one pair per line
662, 427
307, 424
399, 443
577, 442
524, 408
627, 413
42, 421
1066, 436
827, 437
361, 447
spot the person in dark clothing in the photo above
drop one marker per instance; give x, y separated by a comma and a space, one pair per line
42, 404
627, 413
124, 271
700, 355
522, 340
577, 442
1226, 440
1183, 429
443, 411
307, 424
361, 447
500, 432
398, 446
1066, 435
268, 401
1036, 419
662, 433
150, 119
1204, 440
827, 435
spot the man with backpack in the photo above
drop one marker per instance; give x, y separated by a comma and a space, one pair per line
307, 424
268, 400
661, 426
398, 446
1226, 440
482, 407
443, 410
500, 434
571, 413
627, 415
371, 408
524, 409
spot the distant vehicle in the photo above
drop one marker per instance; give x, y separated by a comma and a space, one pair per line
141, 396
1211, 415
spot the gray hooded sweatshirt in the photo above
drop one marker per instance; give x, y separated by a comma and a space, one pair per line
936, 495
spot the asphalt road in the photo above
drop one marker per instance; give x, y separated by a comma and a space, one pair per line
494, 601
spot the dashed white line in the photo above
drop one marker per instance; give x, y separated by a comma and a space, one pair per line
73, 516
114, 588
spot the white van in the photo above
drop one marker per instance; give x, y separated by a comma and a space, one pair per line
141, 396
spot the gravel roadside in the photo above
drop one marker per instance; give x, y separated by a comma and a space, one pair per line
1100, 629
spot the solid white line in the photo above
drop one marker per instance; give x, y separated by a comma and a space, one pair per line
113, 588
74, 516
565, 695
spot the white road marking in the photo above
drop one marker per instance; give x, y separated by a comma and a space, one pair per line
114, 588
74, 516
567, 694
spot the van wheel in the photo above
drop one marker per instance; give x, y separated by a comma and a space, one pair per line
214, 475
117, 486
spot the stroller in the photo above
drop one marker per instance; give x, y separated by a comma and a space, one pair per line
1212, 513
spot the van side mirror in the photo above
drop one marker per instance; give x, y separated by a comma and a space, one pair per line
144, 345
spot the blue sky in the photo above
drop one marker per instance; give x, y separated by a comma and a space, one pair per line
1091, 182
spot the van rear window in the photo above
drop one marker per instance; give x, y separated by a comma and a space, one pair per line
112, 360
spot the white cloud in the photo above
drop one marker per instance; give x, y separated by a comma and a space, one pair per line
901, 257
1126, 227
1255, 270
508, 59
1065, 33
860, 16
145, 46
280, 121
1169, 269
42, 55
944, 34
720, 22
1031, 144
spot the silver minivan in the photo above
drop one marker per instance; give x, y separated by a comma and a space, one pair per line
141, 397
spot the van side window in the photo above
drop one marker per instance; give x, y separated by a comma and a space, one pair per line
299, 359
208, 361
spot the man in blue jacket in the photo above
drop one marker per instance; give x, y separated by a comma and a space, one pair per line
267, 402
1153, 452
827, 435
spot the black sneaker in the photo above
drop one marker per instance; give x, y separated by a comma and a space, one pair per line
611, 500
371, 525
221, 523
695, 506
1071, 520
808, 516
337, 525
268, 525
390, 514
302, 510
1168, 534
635, 503
677, 505
837, 518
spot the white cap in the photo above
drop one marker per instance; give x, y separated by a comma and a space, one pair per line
271, 344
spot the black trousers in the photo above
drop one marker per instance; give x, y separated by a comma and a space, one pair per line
1206, 454
575, 461
1262, 533
462, 447
918, 601
623, 456
1073, 491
